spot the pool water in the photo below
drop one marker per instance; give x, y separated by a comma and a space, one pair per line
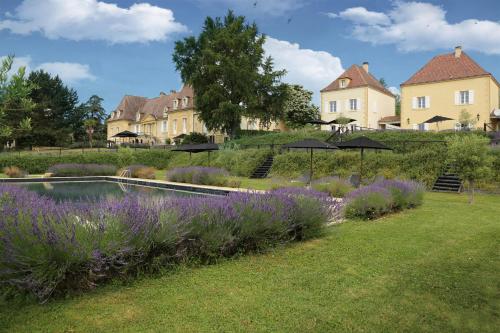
97, 190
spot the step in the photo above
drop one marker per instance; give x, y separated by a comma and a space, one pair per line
445, 188
448, 181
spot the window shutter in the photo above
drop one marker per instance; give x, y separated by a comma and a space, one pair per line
347, 104
359, 104
327, 107
457, 97
414, 102
338, 106
427, 102
426, 127
471, 96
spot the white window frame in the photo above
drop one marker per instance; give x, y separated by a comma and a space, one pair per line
333, 106
137, 116
174, 126
164, 126
137, 128
464, 97
421, 102
343, 83
165, 112
353, 104
185, 102
184, 125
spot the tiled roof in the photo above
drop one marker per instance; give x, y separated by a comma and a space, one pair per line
130, 105
447, 67
358, 78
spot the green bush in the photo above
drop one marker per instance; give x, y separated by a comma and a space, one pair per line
335, 187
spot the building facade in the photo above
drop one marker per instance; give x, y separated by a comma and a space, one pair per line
449, 85
165, 118
358, 95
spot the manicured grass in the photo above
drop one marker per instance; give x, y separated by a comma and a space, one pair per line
432, 269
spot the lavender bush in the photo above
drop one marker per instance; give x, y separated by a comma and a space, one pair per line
50, 249
76, 170
199, 175
383, 197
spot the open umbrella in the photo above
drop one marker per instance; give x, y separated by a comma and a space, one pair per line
198, 148
362, 143
437, 120
310, 144
125, 134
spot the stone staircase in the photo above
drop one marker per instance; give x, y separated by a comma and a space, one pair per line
448, 182
263, 170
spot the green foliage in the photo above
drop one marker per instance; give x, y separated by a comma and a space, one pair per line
469, 158
194, 138
369, 205
298, 107
225, 65
280, 137
335, 187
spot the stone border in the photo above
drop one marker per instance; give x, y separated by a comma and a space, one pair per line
205, 189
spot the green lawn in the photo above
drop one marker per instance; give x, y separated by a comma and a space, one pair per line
432, 269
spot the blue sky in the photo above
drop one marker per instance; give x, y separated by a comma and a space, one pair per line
117, 47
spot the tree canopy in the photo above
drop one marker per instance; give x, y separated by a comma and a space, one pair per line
230, 74
298, 108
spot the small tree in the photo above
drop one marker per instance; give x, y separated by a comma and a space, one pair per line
298, 108
90, 125
469, 157
466, 119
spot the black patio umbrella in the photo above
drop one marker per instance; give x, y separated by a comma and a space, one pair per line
437, 120
347, 120
362, 143
198, 148
125, 134
311, 144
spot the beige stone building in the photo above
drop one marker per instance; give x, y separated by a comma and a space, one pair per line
358, 95
164, 118
446, 86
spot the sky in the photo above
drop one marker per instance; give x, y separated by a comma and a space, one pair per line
116, 47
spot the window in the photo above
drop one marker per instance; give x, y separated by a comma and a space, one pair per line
342, 83
137, 116
164, 126
118, 114
464, 97
174, 126
137, 128
176, 104
333, 106
353, 104
185, 102
421, 102
184, 125
165, 112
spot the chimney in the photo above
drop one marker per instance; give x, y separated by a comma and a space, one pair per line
162, 93
365, 66
173, 91
458, 51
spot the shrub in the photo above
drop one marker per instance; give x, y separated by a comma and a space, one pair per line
139, 171
195, 138
199, 175
383, 197
76, 170
49, 249
335, 187
14, 172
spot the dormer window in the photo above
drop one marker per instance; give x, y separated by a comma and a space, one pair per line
113, 114
137, 116
185, 101
118, 114
165, 112
343, 83
176, 104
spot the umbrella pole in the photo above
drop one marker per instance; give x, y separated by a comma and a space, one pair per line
361, 168
311, 168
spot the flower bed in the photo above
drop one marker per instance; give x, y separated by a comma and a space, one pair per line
199, 175
380, 198
50, 249
76, 170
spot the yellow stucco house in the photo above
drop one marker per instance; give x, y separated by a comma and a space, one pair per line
358, 95
164, 118
446, 86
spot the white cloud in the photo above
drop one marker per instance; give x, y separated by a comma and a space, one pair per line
360, 15
420, 26
312, 69
268, 7
69, 72
394, 90
93, 20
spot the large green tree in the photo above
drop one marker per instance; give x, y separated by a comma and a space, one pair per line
53, 118
15, 103
298, 108
230, 74
92, 110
